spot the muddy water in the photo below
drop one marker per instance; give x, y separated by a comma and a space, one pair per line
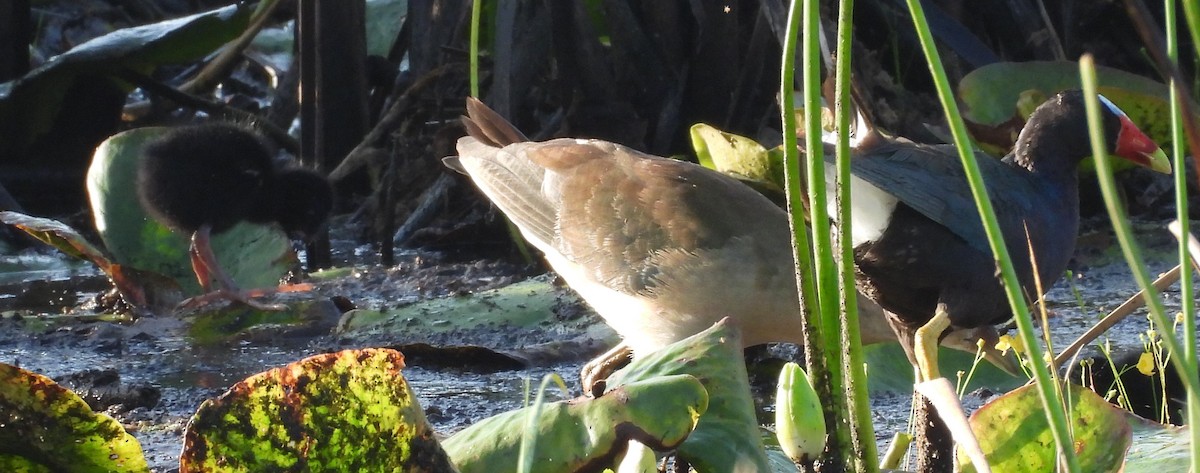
150, 352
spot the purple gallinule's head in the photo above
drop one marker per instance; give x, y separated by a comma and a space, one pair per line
920, 246
661, 249
205, 179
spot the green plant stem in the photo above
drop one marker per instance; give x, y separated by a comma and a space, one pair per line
862, 429
811, 325
1186, 291
1120, 221
473, 58
1047, 390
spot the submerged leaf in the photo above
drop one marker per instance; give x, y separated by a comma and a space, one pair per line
45, 427
344, 411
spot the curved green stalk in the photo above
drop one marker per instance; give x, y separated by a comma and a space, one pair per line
1186, 291
862, 432
1055, 416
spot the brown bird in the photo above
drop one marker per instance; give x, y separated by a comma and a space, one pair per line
662, 249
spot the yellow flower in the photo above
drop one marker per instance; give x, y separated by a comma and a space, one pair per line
1146, 364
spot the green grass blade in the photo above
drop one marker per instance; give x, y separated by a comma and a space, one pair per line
1046, 388
1187, 294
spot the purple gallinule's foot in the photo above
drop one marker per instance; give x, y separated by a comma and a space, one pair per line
204, 179
662, 249
920, 248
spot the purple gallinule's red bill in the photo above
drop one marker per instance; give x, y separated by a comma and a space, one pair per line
660, 248
204, 179
920, 249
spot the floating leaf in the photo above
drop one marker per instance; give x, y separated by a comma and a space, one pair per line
1158, 448
45, 427
253, 255
659, 412
344, 411
1014, 434
727, 438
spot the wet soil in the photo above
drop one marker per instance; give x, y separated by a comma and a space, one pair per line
155, 362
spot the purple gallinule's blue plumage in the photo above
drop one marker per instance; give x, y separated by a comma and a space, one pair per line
920, 250
204, 179
920, 246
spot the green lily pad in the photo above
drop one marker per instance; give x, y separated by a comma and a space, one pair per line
888, 370
45, 427
1014, 434
1158, 448
999, 97
253, 255
990, 94
586, 434
344, 411
727, 438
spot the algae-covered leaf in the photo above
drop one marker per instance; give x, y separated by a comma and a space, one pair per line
1014, 434
45, 427
586, 434
344, 411
727, 438
253, 255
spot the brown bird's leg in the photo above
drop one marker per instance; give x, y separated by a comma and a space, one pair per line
603, 366
207, 269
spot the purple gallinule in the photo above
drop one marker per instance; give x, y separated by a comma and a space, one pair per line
660, 248
919, 245
204, 179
